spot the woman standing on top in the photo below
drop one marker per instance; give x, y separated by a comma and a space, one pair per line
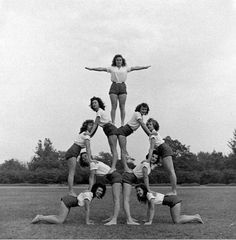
118, 71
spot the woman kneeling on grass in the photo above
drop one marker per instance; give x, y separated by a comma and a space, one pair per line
67, 202
155, 198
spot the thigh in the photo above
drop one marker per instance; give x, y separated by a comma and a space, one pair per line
168, 163
114, 99
122, 99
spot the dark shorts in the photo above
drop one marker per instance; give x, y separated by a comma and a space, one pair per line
110, 129
164, 150
171, 200
129, 178
70, 201
124, 130
114, 177
118, 88
73, 151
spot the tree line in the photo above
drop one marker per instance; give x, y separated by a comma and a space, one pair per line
48, 166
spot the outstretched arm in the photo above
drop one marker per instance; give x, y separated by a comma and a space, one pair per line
139, 68
98, 69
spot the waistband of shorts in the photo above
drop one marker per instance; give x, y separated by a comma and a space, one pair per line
118, 82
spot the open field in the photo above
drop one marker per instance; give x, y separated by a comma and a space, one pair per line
19, 205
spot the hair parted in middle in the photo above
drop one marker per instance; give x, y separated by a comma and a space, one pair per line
85, 124
96, 186
113, 64
143, 198
144, 105
100, 102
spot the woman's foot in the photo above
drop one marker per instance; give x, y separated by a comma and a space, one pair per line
112, 222
107, 219
36, 219
132, 223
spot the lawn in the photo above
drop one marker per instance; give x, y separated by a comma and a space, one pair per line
19, 205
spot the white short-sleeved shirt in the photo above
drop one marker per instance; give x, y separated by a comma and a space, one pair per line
138, 170
133, 122
84, 195
80, 139
118, 75
100, 167
158, 139
158, 197
103, 117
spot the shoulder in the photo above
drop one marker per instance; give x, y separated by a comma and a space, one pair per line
150, 196
88, 195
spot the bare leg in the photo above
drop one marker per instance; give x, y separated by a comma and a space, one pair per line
60, 218
114, 99
123, 142
122, 100
116, 201
168, 165
112, 140
72, 166
126, 197
178, 218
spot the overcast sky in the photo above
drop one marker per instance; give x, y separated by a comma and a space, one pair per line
45, 90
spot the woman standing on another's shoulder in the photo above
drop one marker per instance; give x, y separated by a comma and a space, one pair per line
118, 71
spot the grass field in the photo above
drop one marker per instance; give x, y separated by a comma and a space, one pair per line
19, 205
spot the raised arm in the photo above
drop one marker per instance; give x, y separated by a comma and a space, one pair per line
98, 69
139, 68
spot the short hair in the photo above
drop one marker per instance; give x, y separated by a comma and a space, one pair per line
85, 124
156, 153
113, 64
145, 105
96, 186
142, 199
81, 160
154, 123
100, 102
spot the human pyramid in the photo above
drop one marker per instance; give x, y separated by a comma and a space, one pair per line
100, 173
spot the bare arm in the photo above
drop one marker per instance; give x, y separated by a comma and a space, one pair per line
139, 68
95, 126
98, 69
146, 178
144, 127
151, 211
151, 148
87, 211
91, 179
88, 149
